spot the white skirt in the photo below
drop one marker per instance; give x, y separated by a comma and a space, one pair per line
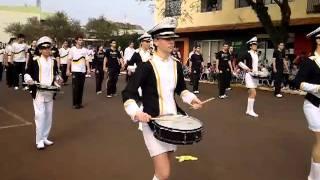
251, 82
154, 146
312, 114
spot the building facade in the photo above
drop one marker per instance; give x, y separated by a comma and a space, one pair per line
17, 14
211, 22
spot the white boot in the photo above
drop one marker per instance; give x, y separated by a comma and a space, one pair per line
250, 110
155, 178
314, 171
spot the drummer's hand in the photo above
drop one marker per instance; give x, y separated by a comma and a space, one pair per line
196, 103
30, 82
142, 117
68, 73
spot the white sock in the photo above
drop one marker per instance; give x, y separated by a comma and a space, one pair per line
251, 104
314, 171
155, 178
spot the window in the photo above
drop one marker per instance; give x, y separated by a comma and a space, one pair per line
173, 8
211, 5
313, 6
241, 3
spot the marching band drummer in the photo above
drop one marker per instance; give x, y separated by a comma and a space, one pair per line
160, 78
44, 70
308, 79
140, 55
249, 63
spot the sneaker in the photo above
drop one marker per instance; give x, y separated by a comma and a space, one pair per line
229, 89
16, 88
279, 96
26, 88
109, 96
88, 76
40, 145
222, 97
48, 142
115, 94
99, 92
196, 92
253, 114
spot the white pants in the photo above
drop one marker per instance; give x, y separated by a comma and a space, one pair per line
154, 146
312, 114
43, 118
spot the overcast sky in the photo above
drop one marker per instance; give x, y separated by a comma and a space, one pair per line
131, 11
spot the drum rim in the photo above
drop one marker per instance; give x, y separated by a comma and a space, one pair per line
176, 130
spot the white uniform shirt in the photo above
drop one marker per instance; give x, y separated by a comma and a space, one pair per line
145, 55
46, 78
2, 51
64, 54
81, 56
90, 55
19, 52
255, 61
128, 53
165, 69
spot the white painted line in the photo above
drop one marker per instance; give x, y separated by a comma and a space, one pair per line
25, 122
12, 126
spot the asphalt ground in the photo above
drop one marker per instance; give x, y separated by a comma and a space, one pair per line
100, 142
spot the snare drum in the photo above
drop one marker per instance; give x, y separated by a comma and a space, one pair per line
177, 129
41, 87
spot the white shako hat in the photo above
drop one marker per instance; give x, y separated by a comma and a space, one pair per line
165, 29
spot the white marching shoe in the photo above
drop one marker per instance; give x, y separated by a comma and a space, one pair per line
40, 145
252, 113
48, 142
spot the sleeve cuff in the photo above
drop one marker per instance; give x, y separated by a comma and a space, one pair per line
311, 88
131, 108
187, 96
243, 66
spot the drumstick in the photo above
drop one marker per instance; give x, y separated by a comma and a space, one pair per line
205, 101
168, 118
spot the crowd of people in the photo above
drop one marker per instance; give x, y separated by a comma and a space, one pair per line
279, 74
154, 76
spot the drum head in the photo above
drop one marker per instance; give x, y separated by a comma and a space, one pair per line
180, 122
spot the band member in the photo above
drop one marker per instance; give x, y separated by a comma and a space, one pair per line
2, 51
160, 78
78, 65
64, 54
98, 64
224, 67
43, 70
249, 63
140, 55
55, 53
128, 52
8, 63
113, 63
196, 63
90, 58
278, 62
19, 58
32, 50
308, 79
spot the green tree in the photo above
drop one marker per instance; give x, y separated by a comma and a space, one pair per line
100, 28
277, 32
